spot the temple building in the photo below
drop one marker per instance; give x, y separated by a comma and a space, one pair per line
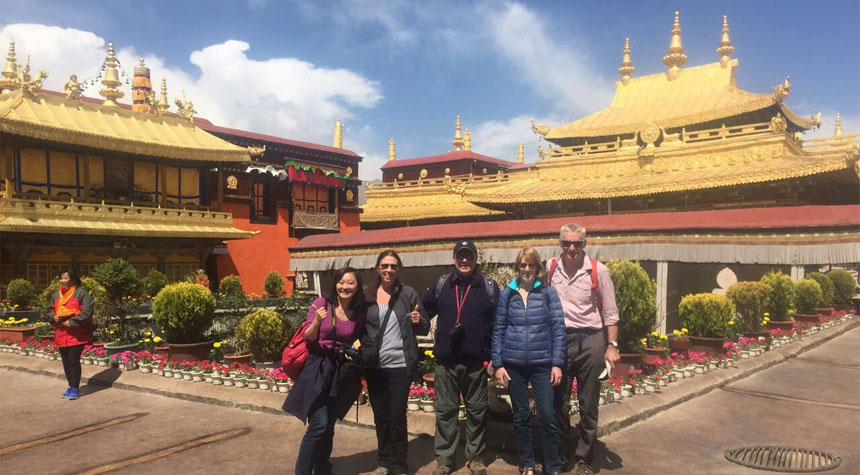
684, 171
83, 180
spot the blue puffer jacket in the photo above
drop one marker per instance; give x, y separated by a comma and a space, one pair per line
530, 336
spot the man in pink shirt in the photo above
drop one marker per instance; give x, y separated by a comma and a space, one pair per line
590, 312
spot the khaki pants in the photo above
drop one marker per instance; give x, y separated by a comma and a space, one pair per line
452, 381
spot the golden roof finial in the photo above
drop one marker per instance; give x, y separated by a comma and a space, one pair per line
163, 104
467, 142
141, 88
626, 70
338, 134
676, 57
458, 139
521, 154
726, 48
111, 80
9, 81
838, 131
391, 154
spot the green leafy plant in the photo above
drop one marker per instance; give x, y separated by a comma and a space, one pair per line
780, 295
274, 285
184, 312
844, 286
750, 300
265, 333
706, 315
827, 289
122, 285
21, 292
635, 295
807, 295
230, 292
154, 282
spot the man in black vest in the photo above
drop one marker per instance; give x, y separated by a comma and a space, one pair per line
465, 302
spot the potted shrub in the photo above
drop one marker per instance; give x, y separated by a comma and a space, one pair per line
265, 333
844, 287
807, 296
828, 293
230, 293
185, 312
274, 285
121, 283
707, 316
154, 282
20, 297
635, 295
780, 299
750, 300
656, 347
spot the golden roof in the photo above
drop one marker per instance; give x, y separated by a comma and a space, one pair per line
698, 94
56, 217
418, 204
82, 123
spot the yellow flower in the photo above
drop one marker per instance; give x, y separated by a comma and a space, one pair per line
664, 337
655, 333
146, 340
731, 322
111, 332
766, 314
148, 333
676, 332
217, 344
644, 341
767, 319
157, 339
684, 330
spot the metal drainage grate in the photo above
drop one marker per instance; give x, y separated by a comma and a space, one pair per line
783, 459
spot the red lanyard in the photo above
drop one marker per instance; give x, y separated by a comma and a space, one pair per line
461, 302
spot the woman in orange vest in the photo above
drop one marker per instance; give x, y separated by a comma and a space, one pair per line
72, 315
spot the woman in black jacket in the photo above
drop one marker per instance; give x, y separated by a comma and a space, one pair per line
389, 353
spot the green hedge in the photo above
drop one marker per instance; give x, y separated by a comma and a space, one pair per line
154, 282
274, 285
844, 286
635, 295
827, 290
265, 333
21, 292
184, 312
706, 315
780, 295
750, 300
807, 295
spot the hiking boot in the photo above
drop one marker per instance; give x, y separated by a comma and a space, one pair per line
380, 471
527, 471
66, 394
73, 394
477, 467
583, 468
442, 469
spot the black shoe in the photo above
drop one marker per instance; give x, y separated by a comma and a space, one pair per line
582, 468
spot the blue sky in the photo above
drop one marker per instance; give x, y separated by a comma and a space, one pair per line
406, 69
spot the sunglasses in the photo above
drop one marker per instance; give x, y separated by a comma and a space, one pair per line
576, 244
389, 266
528, 265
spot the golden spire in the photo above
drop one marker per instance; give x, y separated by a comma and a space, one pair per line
458, 139
162, 105
111, 80
338, 134
726, 48
9, 81
838, 131
521, 155
391, 154
676, 56
467, 142
626, 70
141, 87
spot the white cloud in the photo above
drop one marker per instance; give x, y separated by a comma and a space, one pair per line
500, 139
286, 97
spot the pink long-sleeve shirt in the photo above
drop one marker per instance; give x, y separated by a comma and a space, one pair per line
579, 302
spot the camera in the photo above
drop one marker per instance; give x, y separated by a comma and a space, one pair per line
350, 352
457, 332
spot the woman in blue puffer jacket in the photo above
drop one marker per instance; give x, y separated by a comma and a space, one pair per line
529, 346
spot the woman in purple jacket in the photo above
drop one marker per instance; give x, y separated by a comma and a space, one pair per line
320, 395
529, 345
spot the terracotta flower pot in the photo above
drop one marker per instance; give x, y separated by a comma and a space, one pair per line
654, 354
162, 350
826, 311
17, 334
706, 345
809, 320
679, 346
627, 362
429, 378
189, 351
786, 325
243, 358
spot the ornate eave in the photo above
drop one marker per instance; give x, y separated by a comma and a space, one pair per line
115, 129
56, 217
417, 204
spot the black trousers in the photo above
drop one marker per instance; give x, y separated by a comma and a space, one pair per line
388, 389
71, 356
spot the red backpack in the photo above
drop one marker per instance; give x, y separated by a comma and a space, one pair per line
295, 354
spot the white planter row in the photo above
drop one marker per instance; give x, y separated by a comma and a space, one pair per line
219, 379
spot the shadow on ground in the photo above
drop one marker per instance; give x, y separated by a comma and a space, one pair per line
101, 381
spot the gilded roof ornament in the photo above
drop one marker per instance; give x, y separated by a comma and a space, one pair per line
257, 151
338, 134
467, 141
111, 79
539, 129
185, 108
458, 138
726, 48
73, 88
163, 105
676, 57
9, 80
816, 120
837, 132
521, 155
777, 123
626, 70
782, 91
392, 155
141, 89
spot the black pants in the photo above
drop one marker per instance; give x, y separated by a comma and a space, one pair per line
388, 389
71, 356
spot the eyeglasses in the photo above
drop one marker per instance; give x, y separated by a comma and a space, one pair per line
389, 266
528, 265
576, 244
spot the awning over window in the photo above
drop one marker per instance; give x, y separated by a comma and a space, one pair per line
304, 173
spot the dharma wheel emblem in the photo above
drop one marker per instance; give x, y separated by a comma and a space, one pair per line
349, 195
349, 170
232, 182
423, 173
649, 134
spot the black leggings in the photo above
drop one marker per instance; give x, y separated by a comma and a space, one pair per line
71, 356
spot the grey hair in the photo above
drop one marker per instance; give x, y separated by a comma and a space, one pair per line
571, 227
